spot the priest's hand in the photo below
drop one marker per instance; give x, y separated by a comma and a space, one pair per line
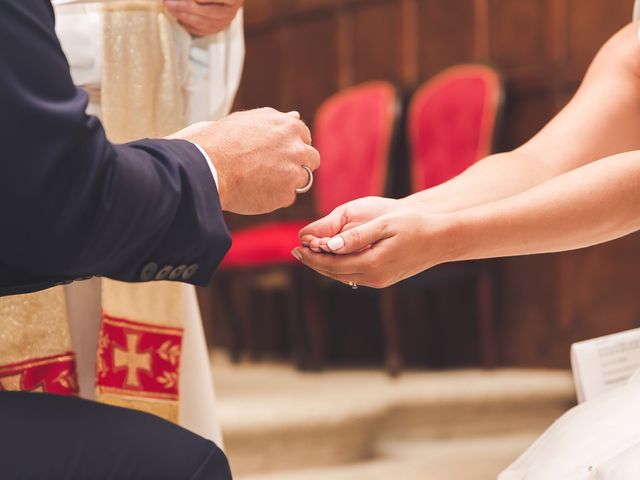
258, 155
204, 17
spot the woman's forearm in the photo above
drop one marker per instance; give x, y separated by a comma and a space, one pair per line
586, 206
493, 178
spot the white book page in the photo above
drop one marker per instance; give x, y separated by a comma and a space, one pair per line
604, 363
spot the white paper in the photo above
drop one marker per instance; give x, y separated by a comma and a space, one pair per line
605, 363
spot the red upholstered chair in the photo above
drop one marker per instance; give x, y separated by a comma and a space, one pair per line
451, 121
354, 131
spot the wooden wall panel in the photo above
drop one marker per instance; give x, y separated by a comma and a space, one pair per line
548, 302
446, 34
518, 31
524, 115
590, 24
300, 51
312, 63
263, 71
377, 42
526, 311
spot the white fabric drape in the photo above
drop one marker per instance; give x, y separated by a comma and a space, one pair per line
597, 440
210, 70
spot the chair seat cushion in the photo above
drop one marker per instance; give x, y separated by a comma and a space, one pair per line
267, 244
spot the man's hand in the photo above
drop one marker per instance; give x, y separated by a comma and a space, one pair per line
204, 17
258, 155
318, 235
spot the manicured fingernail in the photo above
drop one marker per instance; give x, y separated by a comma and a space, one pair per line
335, 243
304, 244
296, 254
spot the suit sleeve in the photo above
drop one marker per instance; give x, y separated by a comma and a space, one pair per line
71, 203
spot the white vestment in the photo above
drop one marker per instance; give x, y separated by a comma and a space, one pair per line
210, 69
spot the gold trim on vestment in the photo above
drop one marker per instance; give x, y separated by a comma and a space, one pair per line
27, 364
166, 410
143, 326
137, 394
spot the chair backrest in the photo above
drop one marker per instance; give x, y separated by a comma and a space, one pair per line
451, 123
353, 131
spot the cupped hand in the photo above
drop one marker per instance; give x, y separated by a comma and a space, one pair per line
317, 236
385, 250
204, 17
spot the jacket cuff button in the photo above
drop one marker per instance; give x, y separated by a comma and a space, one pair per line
164, 273
149, 272
177, 272
190, 271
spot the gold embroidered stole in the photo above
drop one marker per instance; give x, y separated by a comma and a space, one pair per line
138, 355
141, 331
141, 93
35, 345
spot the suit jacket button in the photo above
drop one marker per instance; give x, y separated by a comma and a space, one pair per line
149, 272
165, 272
177, 272
190, 271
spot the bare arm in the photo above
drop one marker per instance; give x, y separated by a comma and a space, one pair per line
586, 206
602, 119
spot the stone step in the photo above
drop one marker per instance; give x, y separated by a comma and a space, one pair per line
275, 418
479, 458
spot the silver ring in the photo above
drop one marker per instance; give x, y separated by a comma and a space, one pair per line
353, 285
309, 184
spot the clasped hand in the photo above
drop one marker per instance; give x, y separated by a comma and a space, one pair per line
204, 17
374, 242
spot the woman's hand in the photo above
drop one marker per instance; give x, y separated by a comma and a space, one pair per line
384, 250
345, 217
204, 17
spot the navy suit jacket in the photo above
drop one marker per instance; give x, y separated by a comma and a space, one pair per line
74, 205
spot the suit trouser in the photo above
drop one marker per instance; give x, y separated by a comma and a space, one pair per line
52, 437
